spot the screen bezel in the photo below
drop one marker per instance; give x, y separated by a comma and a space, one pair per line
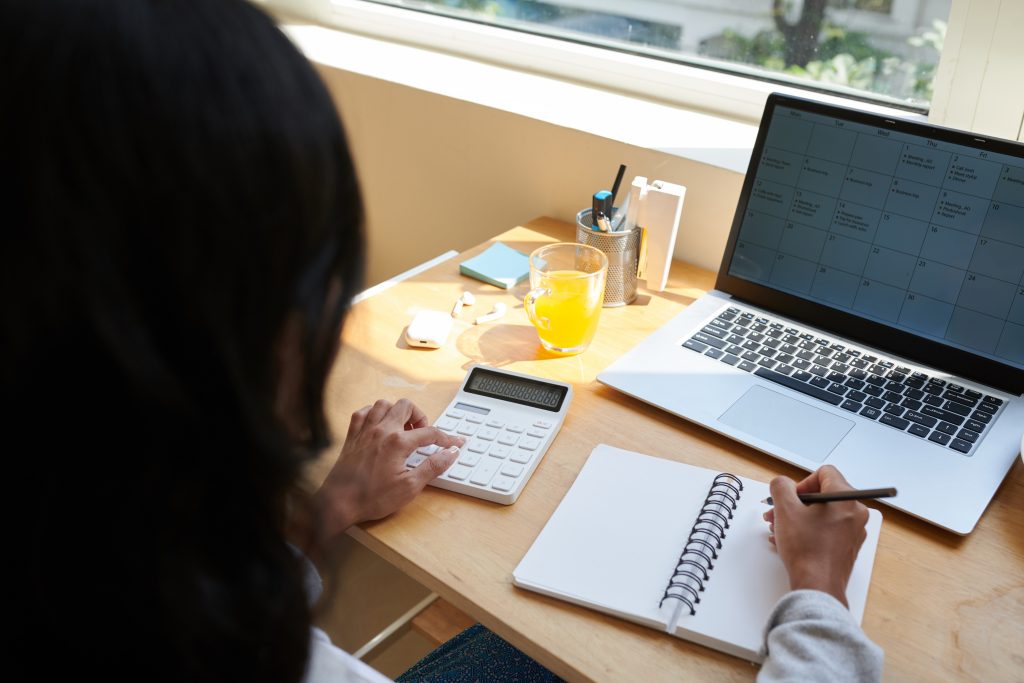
563, 391
879, 335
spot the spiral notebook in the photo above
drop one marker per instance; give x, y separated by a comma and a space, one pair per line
672, 546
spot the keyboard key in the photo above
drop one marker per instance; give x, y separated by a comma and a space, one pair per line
981, 417
497, 424
854, 383
960, 445
695, 346
911, 404
729, 359
992, 400
802, 375
714, 353
784, 357
975, 426
960, 398
892, 397
919, 430
478, 446
838, 389
750, 356
939, 438
709, 340
933, 400
430, 449
529, 443
893, 421
797, 385
414, 460
946, 428
968, 435
876, 402
499, 451
537, 432
466, 429
818, 370
917, 417
958, 408
820, 382
769, 353
515, 428
733, 349
987, 408
475, 419
715, 331
747, 365
856, 395
942, 415
852, 406
875, 380
734, 339
835, 376
915, 394
870, 412
455, 413
785, 369
893, 409
767, 363
487, 433
721, 324
751, 345
872, 390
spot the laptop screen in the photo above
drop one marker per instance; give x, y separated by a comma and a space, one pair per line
905, 235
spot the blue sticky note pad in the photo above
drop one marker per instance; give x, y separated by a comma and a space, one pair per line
499, 265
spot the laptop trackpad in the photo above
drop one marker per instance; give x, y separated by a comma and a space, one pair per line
804, 430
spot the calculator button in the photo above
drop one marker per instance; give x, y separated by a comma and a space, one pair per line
508, 439
478, 446
543, 424
469, 459
521, 456
511, 470
515, 428
487, 434
459, 472
529, 444
474, 418
538, 433
503, 483
467, 429
497, 424
429, 449
447, 424
414, 459
499, 451
482, 475
456, 413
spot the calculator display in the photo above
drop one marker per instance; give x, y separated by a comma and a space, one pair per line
528, 392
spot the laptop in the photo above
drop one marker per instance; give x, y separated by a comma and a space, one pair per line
868, 312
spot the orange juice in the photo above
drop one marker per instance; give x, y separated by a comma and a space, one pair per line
566, 315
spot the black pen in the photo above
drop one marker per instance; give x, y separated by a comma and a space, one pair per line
854, 494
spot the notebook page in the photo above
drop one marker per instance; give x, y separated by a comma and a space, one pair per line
613, 542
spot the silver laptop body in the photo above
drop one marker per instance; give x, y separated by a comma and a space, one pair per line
868, 313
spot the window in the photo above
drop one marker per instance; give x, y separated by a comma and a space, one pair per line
886, 50
957, 61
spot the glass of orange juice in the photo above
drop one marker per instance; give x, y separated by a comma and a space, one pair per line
567, 290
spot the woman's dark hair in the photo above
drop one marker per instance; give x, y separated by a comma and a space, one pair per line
178, 194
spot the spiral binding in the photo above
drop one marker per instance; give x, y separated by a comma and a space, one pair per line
705, 540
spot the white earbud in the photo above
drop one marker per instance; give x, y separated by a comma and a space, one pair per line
496, 312
466, 298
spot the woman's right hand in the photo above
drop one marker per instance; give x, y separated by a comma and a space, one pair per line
818, 543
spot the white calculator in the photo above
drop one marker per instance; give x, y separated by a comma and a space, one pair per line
508, 420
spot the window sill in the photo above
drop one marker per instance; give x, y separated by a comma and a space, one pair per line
699, 137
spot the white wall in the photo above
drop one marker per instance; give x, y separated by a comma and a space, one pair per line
441, 173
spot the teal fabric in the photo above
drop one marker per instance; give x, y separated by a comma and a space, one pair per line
477, 655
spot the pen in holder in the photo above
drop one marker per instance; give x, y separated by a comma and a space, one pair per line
622, 250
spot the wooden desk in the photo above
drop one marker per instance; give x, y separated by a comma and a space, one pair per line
943, 607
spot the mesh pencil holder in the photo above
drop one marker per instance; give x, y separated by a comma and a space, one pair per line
622, 250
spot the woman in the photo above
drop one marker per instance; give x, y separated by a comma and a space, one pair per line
182, 235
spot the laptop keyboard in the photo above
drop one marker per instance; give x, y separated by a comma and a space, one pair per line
941, 412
